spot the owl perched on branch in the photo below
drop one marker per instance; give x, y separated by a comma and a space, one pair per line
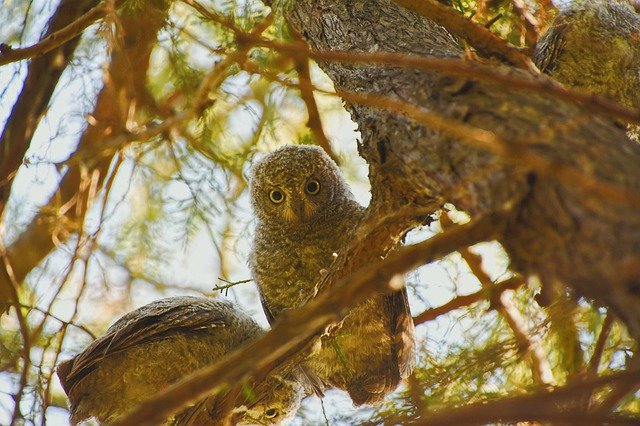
306, 215
158, 344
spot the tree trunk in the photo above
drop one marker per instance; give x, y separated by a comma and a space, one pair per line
583, 232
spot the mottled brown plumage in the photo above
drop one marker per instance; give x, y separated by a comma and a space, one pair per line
306, 215
160, 343
594, 46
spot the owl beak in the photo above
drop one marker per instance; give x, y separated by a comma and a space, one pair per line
300, 211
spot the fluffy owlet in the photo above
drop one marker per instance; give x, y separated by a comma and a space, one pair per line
160, 343
306, 214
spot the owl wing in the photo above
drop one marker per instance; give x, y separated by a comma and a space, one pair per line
265, 307
402, 331
549, 47
151, 322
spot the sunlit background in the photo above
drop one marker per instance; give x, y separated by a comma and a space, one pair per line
176, 220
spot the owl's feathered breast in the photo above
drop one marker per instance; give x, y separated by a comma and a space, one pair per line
287, 265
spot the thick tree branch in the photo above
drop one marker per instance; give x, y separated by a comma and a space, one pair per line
558, 221
552, 406
298, 327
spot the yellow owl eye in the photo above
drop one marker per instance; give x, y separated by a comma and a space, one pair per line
313, 187
276, 196
270, 413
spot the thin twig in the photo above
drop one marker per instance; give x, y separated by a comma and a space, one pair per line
215, 17
324, 413
594, 363
60, 320
229, 284
463, 301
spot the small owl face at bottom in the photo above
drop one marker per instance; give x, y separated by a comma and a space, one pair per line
279, 402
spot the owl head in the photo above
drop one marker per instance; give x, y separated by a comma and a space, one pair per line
278, 400
297, 185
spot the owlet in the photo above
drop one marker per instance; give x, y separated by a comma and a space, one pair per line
305, 215
160, 343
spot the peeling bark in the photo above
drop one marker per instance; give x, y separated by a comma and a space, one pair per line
558, 231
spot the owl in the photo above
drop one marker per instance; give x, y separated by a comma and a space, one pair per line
306, 214
160, 343
593, 46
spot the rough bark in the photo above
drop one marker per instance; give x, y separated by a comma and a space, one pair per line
124, 87
558, 231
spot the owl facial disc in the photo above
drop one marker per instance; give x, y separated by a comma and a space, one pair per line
299, 210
